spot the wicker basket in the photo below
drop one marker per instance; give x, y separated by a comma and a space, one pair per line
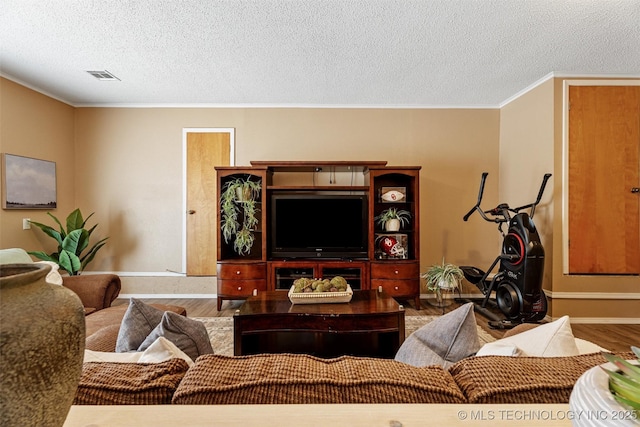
320, 297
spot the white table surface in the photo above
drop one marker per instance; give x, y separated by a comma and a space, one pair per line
365, 415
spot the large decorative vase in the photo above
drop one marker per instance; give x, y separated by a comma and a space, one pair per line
42, 335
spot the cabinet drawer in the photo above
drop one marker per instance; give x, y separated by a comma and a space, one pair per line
240, 287
242, 271
395, 271
397, 287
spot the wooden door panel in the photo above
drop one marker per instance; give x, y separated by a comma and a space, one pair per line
604, 165
205, 150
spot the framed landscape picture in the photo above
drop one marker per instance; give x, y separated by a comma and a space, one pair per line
28, 183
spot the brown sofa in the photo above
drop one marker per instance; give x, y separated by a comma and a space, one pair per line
96, 291
303, 379
287, 379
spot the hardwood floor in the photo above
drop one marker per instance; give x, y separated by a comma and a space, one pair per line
614, 337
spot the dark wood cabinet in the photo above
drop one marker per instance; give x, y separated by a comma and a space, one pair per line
399, 279
283, 273
392, 260
395, 255
241, 275
239, 280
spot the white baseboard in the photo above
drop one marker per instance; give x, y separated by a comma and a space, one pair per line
168, 296
607, 320
592, 295
167, 273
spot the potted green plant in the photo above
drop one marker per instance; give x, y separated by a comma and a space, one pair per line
239, 213
624, 381
72, 242
392, 219
443, 277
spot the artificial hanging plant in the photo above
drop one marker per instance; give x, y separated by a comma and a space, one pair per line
238, 203
72, 242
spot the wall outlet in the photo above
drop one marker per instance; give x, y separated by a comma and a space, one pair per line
26, 224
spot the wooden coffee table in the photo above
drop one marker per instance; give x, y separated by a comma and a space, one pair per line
372, 324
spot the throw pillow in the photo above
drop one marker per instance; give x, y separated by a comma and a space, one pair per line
138, 322
105, 356
187, 334
14, 256
554, 339
160, 351
444, 341
587, 347
53, 276
20, 256
500, 349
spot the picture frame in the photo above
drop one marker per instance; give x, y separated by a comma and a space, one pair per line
393, 194
391, 246
28, 183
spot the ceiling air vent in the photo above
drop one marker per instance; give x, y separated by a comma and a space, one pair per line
103, 75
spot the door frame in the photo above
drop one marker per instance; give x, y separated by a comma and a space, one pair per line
232, 162
565, 154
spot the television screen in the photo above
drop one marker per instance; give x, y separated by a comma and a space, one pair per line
319, 226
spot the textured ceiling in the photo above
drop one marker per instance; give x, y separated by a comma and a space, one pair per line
438, 53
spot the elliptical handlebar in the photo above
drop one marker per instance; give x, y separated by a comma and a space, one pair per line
503, 209
477, 206
534, 204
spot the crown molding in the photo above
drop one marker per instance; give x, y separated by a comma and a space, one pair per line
501, 105
34, 88
297, 106
554, 75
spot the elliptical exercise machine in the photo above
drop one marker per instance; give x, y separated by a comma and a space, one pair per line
518, 282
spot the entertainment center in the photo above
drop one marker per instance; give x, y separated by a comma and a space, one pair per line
317, 220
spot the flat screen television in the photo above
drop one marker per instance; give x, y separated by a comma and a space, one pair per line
319, 226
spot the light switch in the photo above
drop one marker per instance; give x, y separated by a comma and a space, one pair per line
26, 224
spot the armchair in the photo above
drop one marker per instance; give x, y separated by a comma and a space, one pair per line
96, 291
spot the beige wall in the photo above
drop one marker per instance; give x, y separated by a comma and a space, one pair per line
125, 164
128, 170
35, 125
130, 161
526, 154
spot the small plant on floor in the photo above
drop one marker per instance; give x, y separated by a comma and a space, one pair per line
441, 277
72, 242
625, 382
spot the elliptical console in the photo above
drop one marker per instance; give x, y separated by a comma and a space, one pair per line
518, 282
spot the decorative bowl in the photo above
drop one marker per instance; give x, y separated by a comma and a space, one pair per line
592, 404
